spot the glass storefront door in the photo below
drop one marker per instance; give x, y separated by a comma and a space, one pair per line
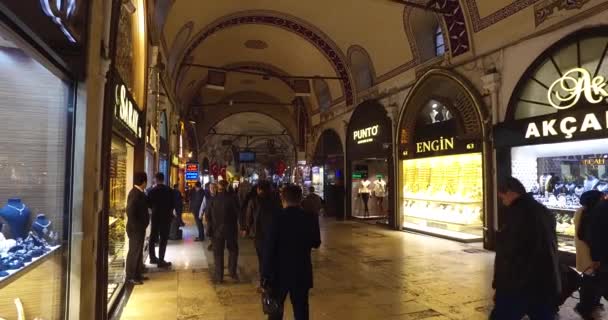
121, 180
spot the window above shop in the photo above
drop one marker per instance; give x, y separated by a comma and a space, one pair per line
563, 77
439, 42
434, 112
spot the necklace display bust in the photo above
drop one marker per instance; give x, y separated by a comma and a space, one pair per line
16, 215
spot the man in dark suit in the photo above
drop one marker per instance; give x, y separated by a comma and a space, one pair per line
287, 267
196, 200
223, 216
137, 222
162, 203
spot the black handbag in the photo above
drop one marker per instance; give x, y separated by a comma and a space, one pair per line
270, 304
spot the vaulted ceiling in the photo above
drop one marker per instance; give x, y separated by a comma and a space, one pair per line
316, 37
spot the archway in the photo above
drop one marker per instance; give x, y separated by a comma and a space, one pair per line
328, 171
443, 163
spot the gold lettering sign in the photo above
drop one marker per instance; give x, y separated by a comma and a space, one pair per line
593, 161
440, 144
125, 110
566, 91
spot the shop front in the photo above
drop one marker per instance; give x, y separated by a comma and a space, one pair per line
127, 143
40, 71
328, 169
555, 135
369, 163
442, 165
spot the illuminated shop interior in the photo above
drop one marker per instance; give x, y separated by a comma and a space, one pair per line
444, 196
557, 174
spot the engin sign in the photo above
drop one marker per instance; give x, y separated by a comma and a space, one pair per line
565, 93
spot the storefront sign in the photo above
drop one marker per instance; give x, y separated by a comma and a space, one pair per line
594, 162
440, 144
366, 135
575, 84
567, 127
191, 172
125, 110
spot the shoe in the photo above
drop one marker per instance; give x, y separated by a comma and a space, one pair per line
586, 315
198, 239
135, 282
154, 260
145, 270
164, 264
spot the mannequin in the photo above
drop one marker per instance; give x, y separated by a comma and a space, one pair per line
364, 192
16, 214
380, 193
42, 228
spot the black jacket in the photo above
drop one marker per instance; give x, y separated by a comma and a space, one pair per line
526, 252
196, 200
287, 262
259, 214
178, 201
162, 203
138, 217
223, 216
599, 234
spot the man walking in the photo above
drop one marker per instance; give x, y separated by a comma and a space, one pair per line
196, 200
287, 265
137, 222
175, 232
223, 224
312, 203
526, 272
162, 204
258, 218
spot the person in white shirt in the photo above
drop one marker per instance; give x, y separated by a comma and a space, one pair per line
380, 193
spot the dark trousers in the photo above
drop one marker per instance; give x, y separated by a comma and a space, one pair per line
199, 226
514, 306
174, 232
365, 198
259, 247
299, 302
159, 234
135, 256
590, 293
219, 244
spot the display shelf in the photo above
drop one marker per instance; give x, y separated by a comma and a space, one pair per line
15, 274
444, 201
442, 233
565, 210
112, 220
462, 224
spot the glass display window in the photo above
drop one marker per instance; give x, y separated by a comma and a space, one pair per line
557, 174
370, 189
318, 180
121, 178
35, 183
444, 195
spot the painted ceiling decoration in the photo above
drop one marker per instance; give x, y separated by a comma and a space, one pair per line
292, 24
458, 34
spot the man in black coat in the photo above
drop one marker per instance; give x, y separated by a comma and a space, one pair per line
162, 204
196, 200
599, 244
258, 217
223, 216
287, 267
137, 222
526, 270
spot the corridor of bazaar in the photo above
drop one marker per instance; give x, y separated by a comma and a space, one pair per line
453, 153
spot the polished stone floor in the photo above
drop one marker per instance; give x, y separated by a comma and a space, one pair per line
362, 272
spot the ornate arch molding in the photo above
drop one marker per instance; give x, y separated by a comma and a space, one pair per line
320, 143
222, 116
448, 86
292, 24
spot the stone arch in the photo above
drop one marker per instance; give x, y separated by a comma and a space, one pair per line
362, 67
326, 137
290, 23
444, 85
422, 26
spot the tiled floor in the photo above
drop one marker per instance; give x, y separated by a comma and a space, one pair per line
361, 272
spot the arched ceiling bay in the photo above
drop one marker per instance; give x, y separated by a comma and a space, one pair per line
283, 51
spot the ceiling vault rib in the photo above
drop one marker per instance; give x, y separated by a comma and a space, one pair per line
262, 74
429, 6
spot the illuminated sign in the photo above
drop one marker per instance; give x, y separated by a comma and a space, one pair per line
567, 126
174, 160
366, 135
593, 162
440, 144
191, 172
153, 138
125, 111
60, 12
566, 91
